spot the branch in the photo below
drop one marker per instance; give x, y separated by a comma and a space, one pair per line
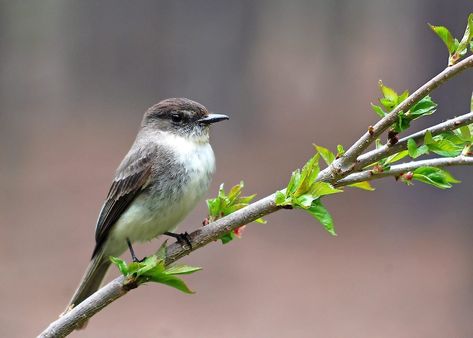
203, 236
120, 286
387, 150
345, 164
399, 169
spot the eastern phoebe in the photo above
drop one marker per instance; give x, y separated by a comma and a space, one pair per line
166, 172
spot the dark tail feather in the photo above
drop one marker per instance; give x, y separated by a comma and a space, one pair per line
91, 281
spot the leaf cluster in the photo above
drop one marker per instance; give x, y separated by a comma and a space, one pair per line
391, 99
227, 203
304, 192
456, 49
153, 269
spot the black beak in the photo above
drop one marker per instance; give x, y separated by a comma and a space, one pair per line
212, 118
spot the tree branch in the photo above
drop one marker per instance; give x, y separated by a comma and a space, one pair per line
399, 169
120, 285
344, 165
203, 236
387, 150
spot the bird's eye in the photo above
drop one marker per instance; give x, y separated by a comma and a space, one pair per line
176, 118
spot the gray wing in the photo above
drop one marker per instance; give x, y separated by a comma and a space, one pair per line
132, 176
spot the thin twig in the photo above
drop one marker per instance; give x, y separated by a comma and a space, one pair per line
399, 169
387, 150
345, 164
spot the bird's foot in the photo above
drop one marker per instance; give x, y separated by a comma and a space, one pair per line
132, 252
183, 238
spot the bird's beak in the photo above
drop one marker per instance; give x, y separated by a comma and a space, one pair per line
212, 118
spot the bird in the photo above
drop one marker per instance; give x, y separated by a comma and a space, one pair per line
166, 172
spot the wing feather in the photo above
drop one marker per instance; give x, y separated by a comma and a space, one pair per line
132, 176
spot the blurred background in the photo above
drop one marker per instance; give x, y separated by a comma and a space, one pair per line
75, 79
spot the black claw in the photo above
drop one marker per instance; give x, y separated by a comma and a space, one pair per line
183, 238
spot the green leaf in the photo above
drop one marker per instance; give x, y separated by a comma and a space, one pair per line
308, 175
246, 199
182, 270
378, 110
322, 188
396, 157
445, 147
387, 104
213, 206
228, 237
173, 282
225, 204
388, 93
403, 96
422, 108
304, 201
465, 134
447, 38
235, 192
326, 154
148, 264
319, 212
403, 122
293, 182
121, 264
436, 177
341, 150
465, 41
415, 151
280, 197
428, 139
365, 185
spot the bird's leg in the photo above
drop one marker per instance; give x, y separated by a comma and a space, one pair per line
132, 252
181, 238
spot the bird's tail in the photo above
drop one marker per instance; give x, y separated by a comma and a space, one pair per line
91, 281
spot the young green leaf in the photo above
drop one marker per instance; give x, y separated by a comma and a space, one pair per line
388, 93
446, 144
436, 177
319, 189
395, 157
462, 46
326, 154
362, 185
422, 108
447, 38
415, 151
428, 139
182, 270
152, 269
173, 282
280, 197
121, 264
378, 110
341, 150
465, 134
225, 204
319, 212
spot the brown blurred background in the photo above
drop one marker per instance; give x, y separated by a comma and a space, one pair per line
75, 78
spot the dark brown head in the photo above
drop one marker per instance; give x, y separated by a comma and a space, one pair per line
180, 116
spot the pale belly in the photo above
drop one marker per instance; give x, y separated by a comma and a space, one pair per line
156, 211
